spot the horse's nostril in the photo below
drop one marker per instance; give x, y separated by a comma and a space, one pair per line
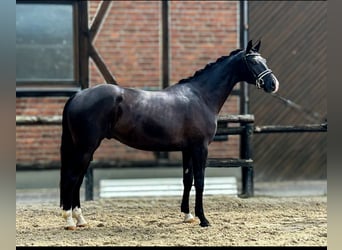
273, 86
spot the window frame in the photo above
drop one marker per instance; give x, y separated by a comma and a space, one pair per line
62, 87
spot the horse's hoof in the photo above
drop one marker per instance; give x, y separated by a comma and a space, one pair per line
189, 218
205, 223
69, 222
82, 225
243, 196
190, 221
77, 214
70, 228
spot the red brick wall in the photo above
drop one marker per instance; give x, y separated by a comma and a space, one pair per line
38, 143
130, 44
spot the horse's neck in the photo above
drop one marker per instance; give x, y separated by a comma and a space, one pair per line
217, 84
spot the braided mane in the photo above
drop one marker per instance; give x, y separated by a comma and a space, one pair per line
208, 66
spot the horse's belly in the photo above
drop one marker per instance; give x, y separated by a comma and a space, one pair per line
152, 137
149, 144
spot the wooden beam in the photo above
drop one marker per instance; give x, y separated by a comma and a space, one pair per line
109, 78
31, 119
228, 162
291, 128
165, 44
236, 118
112, 164
83, 53
229, 131
38, 120
98, 19
93, 53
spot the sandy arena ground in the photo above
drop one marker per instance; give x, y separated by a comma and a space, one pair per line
257, 221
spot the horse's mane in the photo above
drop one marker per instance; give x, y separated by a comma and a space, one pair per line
209, 65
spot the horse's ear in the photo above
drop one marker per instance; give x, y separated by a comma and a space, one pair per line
249, 46
257, 46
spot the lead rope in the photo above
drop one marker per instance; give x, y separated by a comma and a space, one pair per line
312, 116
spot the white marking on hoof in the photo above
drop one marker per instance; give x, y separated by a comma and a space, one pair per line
69, 222
77, 214
188, 218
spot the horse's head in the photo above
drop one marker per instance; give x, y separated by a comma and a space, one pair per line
259, 74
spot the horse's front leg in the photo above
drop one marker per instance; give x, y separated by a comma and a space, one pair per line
199, 158
187, 183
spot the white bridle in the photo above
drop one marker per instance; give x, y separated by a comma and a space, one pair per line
259, 82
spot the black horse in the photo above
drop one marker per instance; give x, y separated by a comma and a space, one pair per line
182, 117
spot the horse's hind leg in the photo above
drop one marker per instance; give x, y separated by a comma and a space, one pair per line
76, 203
74, 166
187, 183
69, 177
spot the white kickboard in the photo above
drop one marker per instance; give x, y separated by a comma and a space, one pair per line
164, 187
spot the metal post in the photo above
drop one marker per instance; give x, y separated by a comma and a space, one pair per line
246, 153
83, 40
165, 58
245, 138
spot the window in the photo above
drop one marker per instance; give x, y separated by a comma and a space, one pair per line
46, 45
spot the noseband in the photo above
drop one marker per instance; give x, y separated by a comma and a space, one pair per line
259, 81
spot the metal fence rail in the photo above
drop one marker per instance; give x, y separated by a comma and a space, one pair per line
291, 128
246, 130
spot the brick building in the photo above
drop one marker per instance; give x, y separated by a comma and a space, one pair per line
129, 42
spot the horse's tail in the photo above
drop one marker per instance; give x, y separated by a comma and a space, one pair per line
66, 146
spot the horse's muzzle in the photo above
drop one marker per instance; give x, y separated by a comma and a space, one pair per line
275, 84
